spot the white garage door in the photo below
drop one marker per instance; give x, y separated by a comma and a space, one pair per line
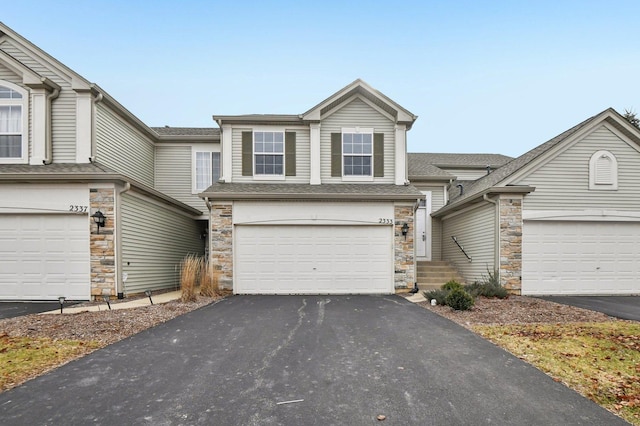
43, 257
581, 257
313, 260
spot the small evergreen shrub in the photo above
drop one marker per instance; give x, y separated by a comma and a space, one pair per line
438, 295
451, 285
459, 300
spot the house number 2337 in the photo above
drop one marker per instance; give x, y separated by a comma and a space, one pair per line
78, 209
385, 221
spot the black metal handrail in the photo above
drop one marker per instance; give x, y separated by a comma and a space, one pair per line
455, 240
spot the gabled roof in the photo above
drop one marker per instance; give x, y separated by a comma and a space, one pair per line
360, 87
502, 177
430, 165
279, 191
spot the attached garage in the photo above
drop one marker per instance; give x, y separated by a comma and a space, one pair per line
580, 257
44, 256
308, 259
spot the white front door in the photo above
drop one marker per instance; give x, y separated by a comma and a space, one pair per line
423, 228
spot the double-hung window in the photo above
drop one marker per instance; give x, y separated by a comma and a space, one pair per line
207, 169
268, 151
12, 141
357, 152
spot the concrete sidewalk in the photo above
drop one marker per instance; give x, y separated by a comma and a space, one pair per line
136, 303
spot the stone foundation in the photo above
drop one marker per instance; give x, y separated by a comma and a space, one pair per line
404, 261
102, 244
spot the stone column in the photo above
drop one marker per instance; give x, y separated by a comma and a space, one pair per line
221, 223
404, 261
511, 242
102, 244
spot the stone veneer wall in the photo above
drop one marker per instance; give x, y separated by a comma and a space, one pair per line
511, 243
102, 245
404, 261
221, 243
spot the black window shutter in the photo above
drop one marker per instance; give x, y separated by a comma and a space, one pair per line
336, 154
378, 154
290, 153
247, 153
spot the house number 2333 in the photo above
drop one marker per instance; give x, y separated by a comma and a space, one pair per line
385, 221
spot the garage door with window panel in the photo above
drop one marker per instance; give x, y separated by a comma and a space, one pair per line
581, 258
43, 257
310, 259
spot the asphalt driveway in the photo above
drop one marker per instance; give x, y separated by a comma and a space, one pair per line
625, 307
17, 309
253, 360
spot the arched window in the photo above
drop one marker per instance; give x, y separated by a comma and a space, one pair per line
603, 171
13, 143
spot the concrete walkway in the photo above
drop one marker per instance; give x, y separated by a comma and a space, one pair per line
143, 301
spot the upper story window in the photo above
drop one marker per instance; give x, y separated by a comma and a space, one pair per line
12, 123
603, 171
207, 169
357, 152
268, 151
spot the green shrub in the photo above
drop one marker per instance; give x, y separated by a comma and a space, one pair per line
488, 286
439, 295
459, 300
451, 285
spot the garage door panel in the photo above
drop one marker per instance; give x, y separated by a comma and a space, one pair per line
44, 257
312, 259
581, 257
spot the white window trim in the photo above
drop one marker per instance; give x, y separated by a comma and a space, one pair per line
613, 186
210, 148
257, 176
356, 178
24, 104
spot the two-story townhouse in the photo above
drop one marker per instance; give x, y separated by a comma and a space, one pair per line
71, 155
317, 202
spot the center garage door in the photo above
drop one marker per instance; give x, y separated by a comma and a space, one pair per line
313, 259
43, 257
565, 257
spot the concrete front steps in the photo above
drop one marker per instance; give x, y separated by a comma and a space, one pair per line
432, 274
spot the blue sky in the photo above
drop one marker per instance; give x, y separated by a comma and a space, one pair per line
483, 76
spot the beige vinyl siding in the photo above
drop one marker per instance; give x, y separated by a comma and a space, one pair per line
7, 75
63, 109
475, 231
357, 114
154, 241
466, 174
303, 159
174, 174
437, 202
563, 182
123, 148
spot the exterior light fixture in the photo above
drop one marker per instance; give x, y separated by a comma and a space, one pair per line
405, 230
61, 300
148, 294
106, 299
99, 218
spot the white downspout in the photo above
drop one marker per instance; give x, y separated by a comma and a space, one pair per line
118, 241
496, 254
48, 149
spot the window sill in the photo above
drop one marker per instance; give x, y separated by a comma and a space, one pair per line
14, 160
268, 177
357, 178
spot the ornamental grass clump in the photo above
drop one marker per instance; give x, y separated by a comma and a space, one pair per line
459, 300
209, 280
189, 277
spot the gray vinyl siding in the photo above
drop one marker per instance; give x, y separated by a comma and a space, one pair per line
7, 75
63, 109
437, 202
154, 241
174, 175
475, 231
357, 114
123, 148
563, 182
303, 158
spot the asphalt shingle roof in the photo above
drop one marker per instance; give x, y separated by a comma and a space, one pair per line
55, 169
186, 131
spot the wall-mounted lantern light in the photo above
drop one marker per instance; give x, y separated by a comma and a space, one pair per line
405, 230
99, 219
